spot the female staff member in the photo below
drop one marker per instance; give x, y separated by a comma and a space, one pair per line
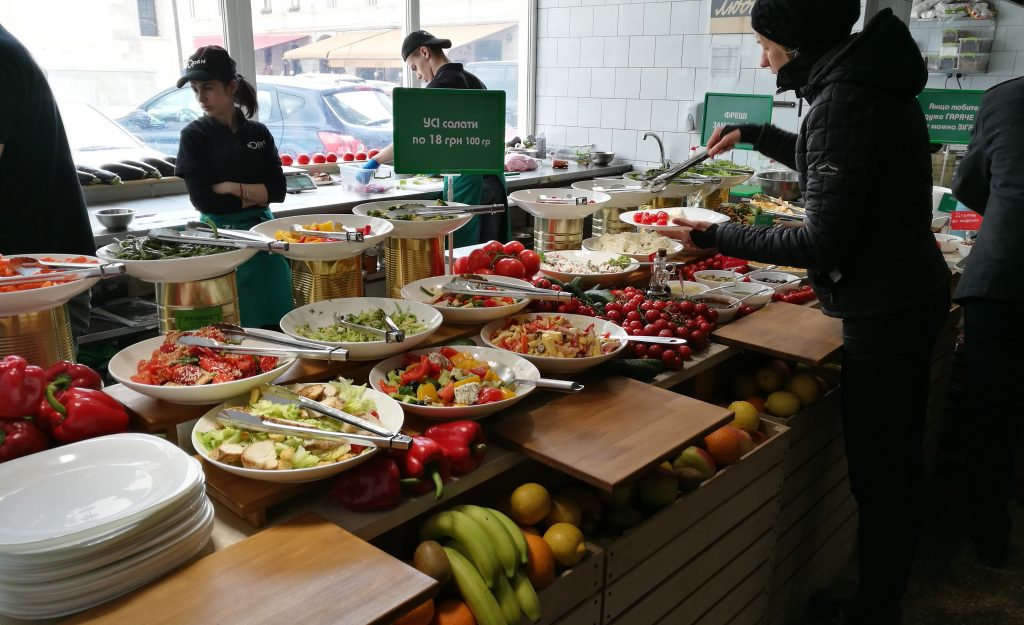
877, 270
232, 172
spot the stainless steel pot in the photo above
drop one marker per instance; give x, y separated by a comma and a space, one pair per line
780, 183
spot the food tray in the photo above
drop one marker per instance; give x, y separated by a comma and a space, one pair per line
382, 181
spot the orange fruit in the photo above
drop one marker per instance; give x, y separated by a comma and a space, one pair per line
724, 445
540, 561
420, 615
529, 529
452, 612
756, 402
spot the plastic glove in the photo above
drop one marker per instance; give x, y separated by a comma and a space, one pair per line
364, 176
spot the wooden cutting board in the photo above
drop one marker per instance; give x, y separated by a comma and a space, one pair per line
787, 331
306, 571
611, 431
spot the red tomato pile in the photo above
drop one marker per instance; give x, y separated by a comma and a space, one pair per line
330, 157
651, 218
711, 262
512, 260
679, 318
799, 296
572, 307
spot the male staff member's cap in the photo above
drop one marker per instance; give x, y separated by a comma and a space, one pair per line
208, 63
419, 38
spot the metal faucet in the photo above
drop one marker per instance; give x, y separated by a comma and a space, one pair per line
665, 163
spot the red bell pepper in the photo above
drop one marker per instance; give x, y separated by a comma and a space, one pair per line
20, 438
424, 466
463, 442
371, 486
417, 373
76, 414
79, 376
21, 387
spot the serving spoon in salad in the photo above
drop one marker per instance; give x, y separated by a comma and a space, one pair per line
508, 376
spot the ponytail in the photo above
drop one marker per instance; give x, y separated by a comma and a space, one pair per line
245, 97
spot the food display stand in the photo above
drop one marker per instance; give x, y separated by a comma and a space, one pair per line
623, 198
559, 215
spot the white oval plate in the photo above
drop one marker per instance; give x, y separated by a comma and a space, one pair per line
326, 251
587, 279
44, 298
414, 293
691, 213
180, 269
563, 365
415, 229
623, 194
528, 200
674, 249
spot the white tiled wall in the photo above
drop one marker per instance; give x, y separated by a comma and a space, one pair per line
610, 70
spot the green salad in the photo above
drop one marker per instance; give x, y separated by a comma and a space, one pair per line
721, 168
406, 320
383, 214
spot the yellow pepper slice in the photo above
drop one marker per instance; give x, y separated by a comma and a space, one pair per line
426, 392
468, 380
491, 376
507, 393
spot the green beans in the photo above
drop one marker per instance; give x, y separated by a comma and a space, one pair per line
144, 248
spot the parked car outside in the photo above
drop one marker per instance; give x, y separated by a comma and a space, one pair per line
95, 139
306, 114
501, 76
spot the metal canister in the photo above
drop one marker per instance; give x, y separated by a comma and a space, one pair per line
716, 199
667, 202
192, 305
319, 280
606, 221
408, 260
557, 234
42, 337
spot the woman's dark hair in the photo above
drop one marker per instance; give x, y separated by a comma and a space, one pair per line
245, 97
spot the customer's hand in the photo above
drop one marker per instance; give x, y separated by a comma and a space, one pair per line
226, 188
718, 143
685, 235
364, 176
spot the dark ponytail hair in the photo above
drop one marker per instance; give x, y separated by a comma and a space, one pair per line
245, 97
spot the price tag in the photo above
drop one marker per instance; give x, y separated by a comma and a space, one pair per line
948, 203
196, 318
965, 220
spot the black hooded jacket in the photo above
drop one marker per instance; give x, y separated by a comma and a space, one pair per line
865, 172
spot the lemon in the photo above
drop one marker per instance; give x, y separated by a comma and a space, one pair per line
782, 404
566, 542
746, 416
529, 504
805, 387
564, 510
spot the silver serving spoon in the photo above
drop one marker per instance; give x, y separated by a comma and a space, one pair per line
506, 375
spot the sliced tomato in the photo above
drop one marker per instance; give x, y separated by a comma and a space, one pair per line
489, 394
447, 394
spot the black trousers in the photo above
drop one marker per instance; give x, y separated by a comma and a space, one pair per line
993, 347
885, 375
493, 227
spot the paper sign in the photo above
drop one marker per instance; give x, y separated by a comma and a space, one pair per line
195, 318
965, 220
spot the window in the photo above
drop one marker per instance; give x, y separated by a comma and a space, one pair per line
332, 4
299, 109
294, 6
267, 7
147, 18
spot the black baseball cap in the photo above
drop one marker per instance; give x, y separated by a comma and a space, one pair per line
418, 38
208, 63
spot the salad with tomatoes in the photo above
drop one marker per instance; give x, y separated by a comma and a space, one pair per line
445, 379
459, 300
552, 337
190, 365
651, 218
327, 226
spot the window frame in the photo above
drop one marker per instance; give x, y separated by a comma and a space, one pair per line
152, 17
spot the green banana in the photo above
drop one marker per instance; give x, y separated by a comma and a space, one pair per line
514, 531
474, 591
503, 592
461, 527
526, 596
504, 546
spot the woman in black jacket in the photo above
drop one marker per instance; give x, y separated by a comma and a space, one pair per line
865, 171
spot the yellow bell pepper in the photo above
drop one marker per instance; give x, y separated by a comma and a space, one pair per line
468, 380
427, 392
491, 376
507, 393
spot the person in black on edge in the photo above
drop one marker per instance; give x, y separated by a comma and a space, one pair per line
862, 93
40, 197
232, 172
424, 54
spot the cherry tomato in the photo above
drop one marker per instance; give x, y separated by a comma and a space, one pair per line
692, 325
462, 265
634, 332
652, 316
712, 315
650, 330
668, 356
661, 324
701, 309
636, 325
586, 311
613, 315
530, 260
696, 336
510, 267
685, 352
706, 328
628, 308
493, 247
654, 351
332, 157
640, 350
286, 159
360, 156
666, 333
686, 307
348, 157
682, 333
489, 395
478, 260
541, 283
512, 248
617, 307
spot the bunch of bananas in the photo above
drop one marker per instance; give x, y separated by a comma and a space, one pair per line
486, 550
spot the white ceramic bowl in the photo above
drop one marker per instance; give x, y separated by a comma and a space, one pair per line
727, 305
388, 410
125, 364
415, 229
180, 269
519, 365
781, 282
795, 271
587, 279
623, 194
688, 289
947, 242
414, 293
761, 295
691, 213
564, 365
320, 314
939, 220
327, 251
674, 248
680, 187
44, 298
528, 200
705, 276
964, 248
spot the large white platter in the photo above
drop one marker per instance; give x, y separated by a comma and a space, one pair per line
44, 298
179, 269
337, 250
564, 365
622, 194
415, 229
691, 213
528, 200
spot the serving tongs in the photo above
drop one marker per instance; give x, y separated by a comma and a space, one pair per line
419, 210
248, 421
300, 350
472, 284
341, 233
393, 334
170, 235
30, 270
238, 333
567, 201
226, 233
658, 183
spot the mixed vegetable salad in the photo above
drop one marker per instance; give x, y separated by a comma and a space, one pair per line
553, 261
552, 337
444, 379
189, 365
457, 300
327, 226
335, 333
260, 450
7, 272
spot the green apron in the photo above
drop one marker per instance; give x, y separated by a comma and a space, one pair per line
468, 189
265, 280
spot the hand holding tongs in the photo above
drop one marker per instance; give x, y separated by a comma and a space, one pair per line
441, 211
173, 236
343, 233
662, 180
393, 334
471, 284
300, 350
30, 270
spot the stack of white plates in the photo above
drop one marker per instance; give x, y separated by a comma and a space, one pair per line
90, 521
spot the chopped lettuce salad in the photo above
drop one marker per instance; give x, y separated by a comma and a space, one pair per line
335, 333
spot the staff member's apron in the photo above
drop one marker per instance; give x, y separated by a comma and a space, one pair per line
477, 189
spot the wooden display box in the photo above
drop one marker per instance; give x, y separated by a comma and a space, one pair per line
569, 599
586, 613
718, 536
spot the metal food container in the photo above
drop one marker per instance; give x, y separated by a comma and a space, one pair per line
319, 280
780, 183
42, 337
192, 305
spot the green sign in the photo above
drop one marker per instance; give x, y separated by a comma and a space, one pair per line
725, 109
455, 131
948, 203
950, 114
195, 318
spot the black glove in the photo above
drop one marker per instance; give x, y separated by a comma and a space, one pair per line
706, 239
749, 133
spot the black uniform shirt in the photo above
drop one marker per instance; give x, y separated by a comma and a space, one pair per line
209, 153
454, 76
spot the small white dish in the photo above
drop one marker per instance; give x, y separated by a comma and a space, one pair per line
947, 242
583, 256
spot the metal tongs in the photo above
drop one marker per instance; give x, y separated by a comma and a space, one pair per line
341, 233
300, 350
569, 201
472, 284
420, 210
226, 233
393, 334
658, 183
30, 270
262, 243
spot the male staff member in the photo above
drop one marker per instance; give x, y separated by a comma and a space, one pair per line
424, 54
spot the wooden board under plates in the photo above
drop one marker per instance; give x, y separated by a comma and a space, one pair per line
787, 331
611, 431
304, 571
246, 497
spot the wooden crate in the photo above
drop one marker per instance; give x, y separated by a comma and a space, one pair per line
739, 503
568, 599
586, 613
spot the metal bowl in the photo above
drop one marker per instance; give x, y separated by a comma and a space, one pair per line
601, 158
780, 183
115, 218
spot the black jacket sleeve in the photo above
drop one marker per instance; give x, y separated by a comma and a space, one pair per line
272, 176
973, 174
192, 168
773, 142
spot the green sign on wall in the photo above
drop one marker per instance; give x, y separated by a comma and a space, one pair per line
455, 131
724, 109
950, 114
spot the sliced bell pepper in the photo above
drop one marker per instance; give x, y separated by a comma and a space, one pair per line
468, 380
418, 372
462, 441
449, 352
387, 388
426, 392
21, 387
